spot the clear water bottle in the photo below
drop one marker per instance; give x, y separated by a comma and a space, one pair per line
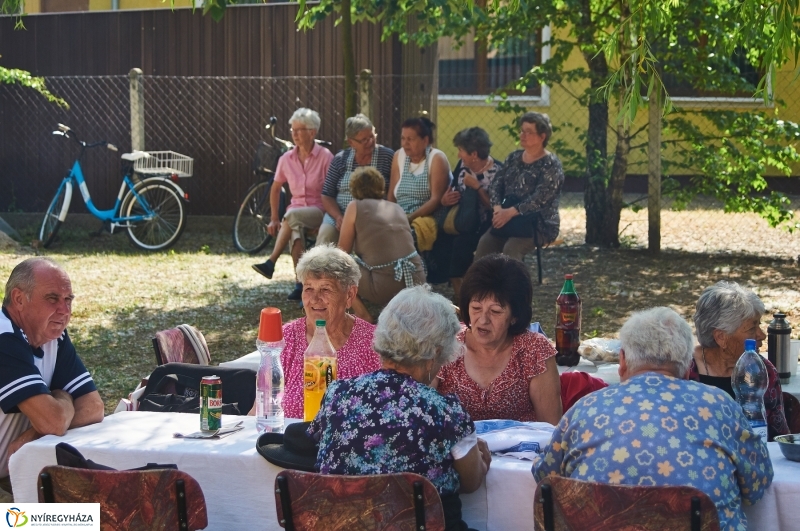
269, 380
750, 381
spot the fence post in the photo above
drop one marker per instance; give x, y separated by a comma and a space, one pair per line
654, 174
365, 93
137, 109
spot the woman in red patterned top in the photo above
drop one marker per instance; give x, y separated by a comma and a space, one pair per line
507, 371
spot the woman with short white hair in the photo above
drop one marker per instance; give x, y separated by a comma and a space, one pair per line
303, 168
658, 337
392, 420
330, 283
726, 315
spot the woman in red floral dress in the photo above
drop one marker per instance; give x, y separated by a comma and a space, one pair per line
507, 371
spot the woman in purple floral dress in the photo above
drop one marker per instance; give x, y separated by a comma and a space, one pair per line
391, 420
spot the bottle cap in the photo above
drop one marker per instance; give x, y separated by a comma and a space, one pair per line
749, 344
568, 276
320, 322
269, 328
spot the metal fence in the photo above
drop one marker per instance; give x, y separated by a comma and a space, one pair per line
219, 121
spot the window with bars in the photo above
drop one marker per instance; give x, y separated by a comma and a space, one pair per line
481, 67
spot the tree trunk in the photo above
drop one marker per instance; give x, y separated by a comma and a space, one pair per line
595, 194
350, 91
615, 186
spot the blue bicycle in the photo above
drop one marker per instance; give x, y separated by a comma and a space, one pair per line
151, 209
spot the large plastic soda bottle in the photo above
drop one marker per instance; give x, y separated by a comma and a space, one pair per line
269, 379
750, 381
568, 324
319, 370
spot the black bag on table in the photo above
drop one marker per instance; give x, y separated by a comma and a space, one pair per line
175, 387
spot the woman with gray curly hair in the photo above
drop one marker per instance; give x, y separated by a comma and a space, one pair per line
726, 315
392, 420
363, 151
330, 284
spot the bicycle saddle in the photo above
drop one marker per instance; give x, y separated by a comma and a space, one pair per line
136, 155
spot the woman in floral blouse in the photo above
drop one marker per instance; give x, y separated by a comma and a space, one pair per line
528, 185
391, 420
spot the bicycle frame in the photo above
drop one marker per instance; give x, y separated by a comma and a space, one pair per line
75, 178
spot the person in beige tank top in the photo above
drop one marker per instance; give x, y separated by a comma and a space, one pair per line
378, 233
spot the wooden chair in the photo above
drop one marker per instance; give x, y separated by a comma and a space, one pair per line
182, 344
791, 408
566, 504
130, 500
403, 501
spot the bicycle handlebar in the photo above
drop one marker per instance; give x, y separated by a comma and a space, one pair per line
65, 131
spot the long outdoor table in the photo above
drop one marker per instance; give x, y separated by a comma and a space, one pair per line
238, 483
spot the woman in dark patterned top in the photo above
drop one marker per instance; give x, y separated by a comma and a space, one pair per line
726, 315
363, 151
529, 184
392, 420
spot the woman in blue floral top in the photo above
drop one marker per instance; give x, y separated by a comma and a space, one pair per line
391, 420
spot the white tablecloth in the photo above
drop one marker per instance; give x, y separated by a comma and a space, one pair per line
237, 482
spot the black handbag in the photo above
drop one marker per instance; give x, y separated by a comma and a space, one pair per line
465, 216
175, 387
521, 226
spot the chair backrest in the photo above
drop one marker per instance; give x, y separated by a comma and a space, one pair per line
791, 408
395, 502
577, 384
163, 499
182, 344
566, 504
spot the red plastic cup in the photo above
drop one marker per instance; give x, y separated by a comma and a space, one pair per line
270, 328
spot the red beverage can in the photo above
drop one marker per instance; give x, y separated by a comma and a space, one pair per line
210, 403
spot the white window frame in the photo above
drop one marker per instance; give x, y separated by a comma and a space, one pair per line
716, 102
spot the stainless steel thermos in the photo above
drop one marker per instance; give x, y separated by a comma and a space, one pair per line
779, 346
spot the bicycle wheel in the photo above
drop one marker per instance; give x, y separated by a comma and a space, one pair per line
250, 225
53, 217
168, 219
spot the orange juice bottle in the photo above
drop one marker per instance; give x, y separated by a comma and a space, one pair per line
319, 370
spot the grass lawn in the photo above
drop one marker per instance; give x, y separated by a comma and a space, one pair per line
124, 295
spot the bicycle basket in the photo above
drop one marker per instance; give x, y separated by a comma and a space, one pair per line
266, 158
160, 162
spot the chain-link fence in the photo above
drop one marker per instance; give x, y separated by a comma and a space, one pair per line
219, 122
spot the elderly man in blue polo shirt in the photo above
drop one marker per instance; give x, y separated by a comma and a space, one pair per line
44, 387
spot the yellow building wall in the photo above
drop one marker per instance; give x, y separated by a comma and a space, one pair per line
570, 118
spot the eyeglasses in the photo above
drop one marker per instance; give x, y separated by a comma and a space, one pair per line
300, 130
528, 132
365, 140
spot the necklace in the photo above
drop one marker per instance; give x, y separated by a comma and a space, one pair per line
703, 350
414, 166
485, 167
